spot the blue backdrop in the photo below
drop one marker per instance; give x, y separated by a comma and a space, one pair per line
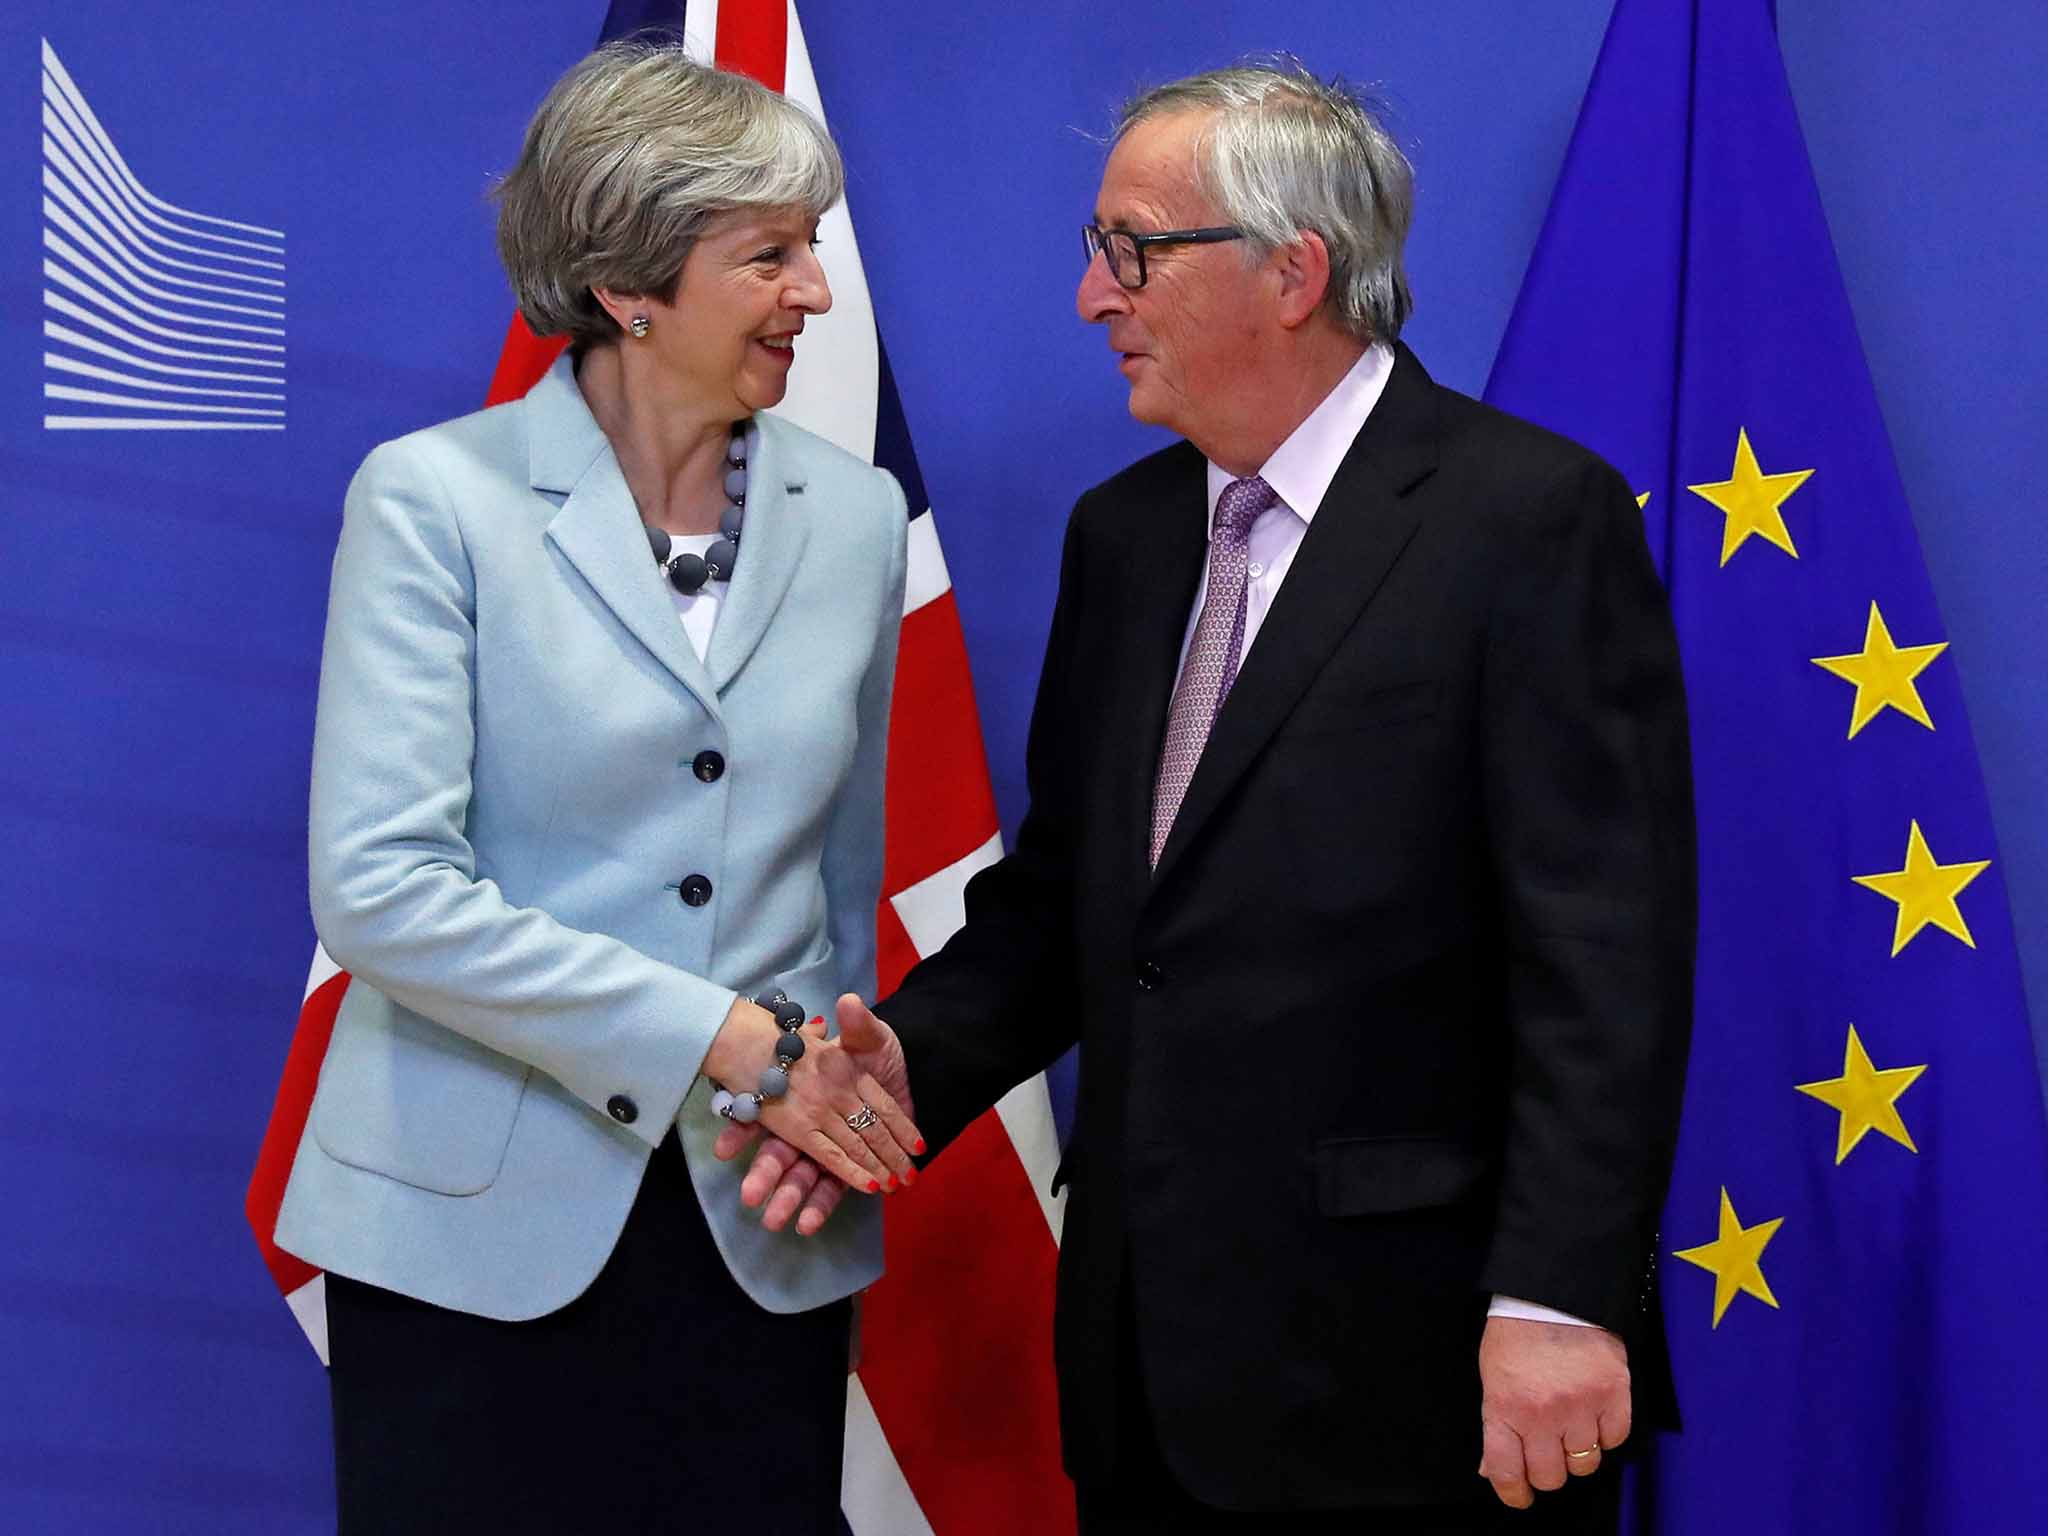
160, 628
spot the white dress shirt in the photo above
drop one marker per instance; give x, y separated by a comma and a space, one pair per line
1300, 472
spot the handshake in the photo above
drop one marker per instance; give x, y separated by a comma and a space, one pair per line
842, 1123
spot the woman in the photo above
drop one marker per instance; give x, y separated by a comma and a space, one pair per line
568, 819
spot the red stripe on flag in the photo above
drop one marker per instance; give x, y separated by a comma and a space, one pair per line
753, 38
521, 362
940, 807
287, 1125
956, 1345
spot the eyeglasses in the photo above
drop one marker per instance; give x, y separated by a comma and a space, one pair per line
1125, 252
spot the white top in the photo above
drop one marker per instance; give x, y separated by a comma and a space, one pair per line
1300, 472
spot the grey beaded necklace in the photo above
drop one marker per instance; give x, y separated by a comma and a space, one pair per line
686, 571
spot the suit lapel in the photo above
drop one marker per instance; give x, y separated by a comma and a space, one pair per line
778, 526
597, 526
1363, 524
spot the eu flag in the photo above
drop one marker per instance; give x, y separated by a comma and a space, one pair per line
1854, 1250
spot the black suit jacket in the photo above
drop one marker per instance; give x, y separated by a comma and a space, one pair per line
1400, 1019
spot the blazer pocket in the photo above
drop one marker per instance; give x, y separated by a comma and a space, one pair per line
1336, 713
414, 1101
1381, 1175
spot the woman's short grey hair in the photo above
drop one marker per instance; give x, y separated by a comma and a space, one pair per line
1284, 152
632, 154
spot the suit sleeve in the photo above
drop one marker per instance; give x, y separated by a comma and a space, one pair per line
395, 894
999, 1002
1586, 775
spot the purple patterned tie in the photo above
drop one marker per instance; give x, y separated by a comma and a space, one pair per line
1211, 667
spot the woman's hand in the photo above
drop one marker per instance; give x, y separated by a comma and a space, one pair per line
790, 1185
830, 1087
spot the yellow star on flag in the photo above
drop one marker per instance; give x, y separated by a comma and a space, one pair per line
1867, 1099
1734, 1258
1926, 891
1883, 674
1752, 499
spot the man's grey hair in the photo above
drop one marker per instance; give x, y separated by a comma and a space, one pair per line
1284, 152
632, 154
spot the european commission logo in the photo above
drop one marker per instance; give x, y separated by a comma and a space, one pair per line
157, 318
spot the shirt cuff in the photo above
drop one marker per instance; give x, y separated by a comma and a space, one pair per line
1529, 1311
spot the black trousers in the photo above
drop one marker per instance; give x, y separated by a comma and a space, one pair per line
1147, 1500
662, 1399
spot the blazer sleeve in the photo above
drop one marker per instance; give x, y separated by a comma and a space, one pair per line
1000, 1000
395, 894
1586, 779
852, 858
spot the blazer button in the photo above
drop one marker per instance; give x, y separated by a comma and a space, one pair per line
1150, 977
695, 890
708, 766
622, 1109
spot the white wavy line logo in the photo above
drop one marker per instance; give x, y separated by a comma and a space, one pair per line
157, 317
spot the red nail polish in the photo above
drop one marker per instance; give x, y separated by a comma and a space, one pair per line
909, 1177
919, 1148
874, 1188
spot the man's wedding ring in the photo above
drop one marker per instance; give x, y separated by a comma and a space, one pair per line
1591, 1450
863, 1119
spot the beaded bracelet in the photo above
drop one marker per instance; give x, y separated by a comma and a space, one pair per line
774, 1081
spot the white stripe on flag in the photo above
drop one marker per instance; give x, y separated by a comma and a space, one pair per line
927, 577
934, 908
323, 970
835, 385
872, 1492
700, 29
1026, 1112
309, 1306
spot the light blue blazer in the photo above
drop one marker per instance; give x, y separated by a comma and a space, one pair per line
503, 807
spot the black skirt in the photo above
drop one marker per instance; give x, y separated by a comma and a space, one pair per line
662, 1399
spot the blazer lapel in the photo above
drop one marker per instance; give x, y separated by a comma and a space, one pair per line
597, 526
1363, 524
772, 540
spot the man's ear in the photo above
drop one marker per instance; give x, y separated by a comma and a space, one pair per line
1303, 271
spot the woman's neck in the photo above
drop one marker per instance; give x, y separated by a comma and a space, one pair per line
673, 457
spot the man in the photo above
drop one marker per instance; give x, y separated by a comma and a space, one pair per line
1358, 860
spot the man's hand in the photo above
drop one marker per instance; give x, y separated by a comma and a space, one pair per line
781, 1178
1549, 1390
790, 1183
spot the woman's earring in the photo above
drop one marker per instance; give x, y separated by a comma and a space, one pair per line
638, 326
